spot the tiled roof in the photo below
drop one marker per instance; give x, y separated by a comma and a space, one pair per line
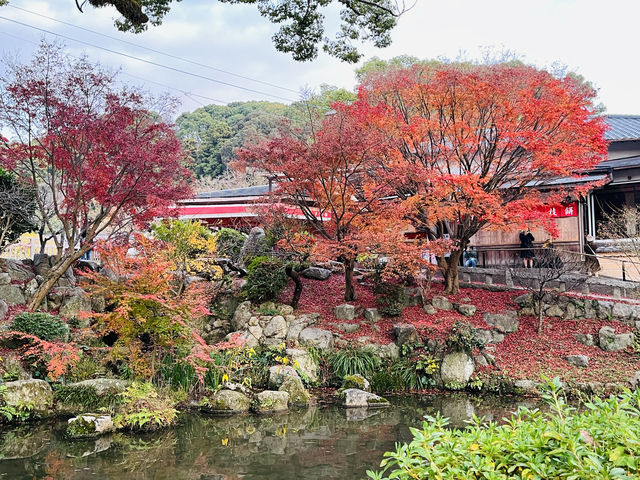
236, 192
623, 127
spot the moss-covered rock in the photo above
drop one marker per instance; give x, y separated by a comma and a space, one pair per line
297, 393
89, 425
356, 381
90, 395
36, 395
271, 401
228, 402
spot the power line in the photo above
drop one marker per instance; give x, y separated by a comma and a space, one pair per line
188, 95
176, 57
150, 62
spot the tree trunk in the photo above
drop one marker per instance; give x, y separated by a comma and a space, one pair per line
451, 281
540, 316
297, 291
349, 287
54, 275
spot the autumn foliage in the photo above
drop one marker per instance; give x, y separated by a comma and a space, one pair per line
448, 149
149, 315
104, 160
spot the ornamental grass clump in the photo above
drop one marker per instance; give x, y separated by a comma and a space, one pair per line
600, 442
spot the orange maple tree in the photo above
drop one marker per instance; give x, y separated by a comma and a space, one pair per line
325, 175
468, 146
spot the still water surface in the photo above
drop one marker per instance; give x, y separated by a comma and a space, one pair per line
322, 442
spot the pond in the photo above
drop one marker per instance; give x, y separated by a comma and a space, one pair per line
321, 442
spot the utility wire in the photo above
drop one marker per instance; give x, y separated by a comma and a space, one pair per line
149, 62
176, 57
186, 94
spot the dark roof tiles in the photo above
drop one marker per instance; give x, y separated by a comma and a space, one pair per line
623, 127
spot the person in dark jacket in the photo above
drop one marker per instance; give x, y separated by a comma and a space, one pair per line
591, 262
526, 248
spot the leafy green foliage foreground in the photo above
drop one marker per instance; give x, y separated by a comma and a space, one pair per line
601, 442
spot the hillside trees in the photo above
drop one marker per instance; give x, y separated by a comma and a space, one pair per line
466, 143
107, 163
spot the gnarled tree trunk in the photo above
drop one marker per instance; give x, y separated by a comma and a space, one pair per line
56, 272
349, 287
297, 291
449, 267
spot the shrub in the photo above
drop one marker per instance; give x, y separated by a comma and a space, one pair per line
352, 361
599, 441
42, 325
87, 399
144, 409
462, 338
266, 278
229, 243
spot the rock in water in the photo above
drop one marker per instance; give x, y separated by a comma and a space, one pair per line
298, 395
228, 401
271, 401
89, 425
356, 381
356, 398
456, 370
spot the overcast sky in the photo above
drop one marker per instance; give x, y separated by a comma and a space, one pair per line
594, 38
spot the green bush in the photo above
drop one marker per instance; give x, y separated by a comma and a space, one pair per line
391, 298
42, 325
145, 409
601, 440
352, 361
229, 243
462, 338
266, 279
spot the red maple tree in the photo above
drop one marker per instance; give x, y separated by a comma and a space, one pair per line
107, 163
466, 145
325, 174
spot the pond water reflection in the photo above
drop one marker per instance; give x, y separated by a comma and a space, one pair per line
322, 442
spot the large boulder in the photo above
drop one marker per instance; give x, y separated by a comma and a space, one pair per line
372, 315
278, 373
92, 395
456, 370
5, 278
578, 360
298, 324
298, 395
241, 316
466, 309
316, 273
390, 351
75, 302
270, 401
254, 245
276, 328
35, 393
317, 338
304, 363
505, 322
4, 309
89, 425
344, 312
17, 271
229, 401
405, 334
356, 398
12, 295
487, 336
610, 341
441, 303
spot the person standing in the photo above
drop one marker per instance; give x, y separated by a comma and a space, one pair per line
526, 248
591, 262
